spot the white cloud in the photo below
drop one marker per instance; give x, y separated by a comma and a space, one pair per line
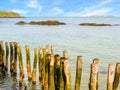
34, 4
58, 10
72, 14
102, 3
20, 11
98, 12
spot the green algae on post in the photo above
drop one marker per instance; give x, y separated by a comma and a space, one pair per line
7, 55
117, 77
19, 52
27, 49
34, 66
78, 72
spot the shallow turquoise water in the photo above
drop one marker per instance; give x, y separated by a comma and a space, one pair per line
90, 42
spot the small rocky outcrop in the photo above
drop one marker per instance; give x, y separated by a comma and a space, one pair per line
48, 22
94, 24
21, 23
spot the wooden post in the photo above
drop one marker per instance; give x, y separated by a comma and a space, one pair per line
96, 61
110, 76
93, 76
117, 77
57, 72
19, 52
78, 72
67, 71
15, 59
2, 55
11, 58
27, 49
62, 76
46, 84
51, 81
43, 67
34, 66
40, 56
7, 55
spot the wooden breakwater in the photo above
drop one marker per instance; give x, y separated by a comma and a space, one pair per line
54, 71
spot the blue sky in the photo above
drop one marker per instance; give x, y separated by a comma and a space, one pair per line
70, 8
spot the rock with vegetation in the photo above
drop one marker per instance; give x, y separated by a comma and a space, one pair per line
48, 22
94, 24
9, 14
21, 23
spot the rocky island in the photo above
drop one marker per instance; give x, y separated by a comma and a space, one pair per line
48, 22
9, 14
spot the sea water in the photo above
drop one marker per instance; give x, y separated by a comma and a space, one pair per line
101, 42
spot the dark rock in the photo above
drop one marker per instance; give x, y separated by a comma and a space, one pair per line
21, 23
94, 24
33, 22
50, 22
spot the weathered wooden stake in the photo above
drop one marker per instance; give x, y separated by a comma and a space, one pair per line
43, 67
96, 61
78, 72
62, 78
51, 79
34, 66
117, 77
2, 55
40, 56
67, 71
57, 72
15, 59
93, 76
7, 55
27, 49
11, 57
110, 76
48, 56
19, 52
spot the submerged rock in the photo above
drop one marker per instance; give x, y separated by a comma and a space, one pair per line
94, 24
21, 23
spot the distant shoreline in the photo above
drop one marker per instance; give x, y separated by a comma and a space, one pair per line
10, 14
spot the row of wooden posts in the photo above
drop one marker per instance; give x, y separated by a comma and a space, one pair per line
54, 71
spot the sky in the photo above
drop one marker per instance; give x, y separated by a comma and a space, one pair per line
62, 8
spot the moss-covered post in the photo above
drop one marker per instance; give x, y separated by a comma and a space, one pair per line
34, 66
96, 61
110, 76
40, 56
117, 77
11, 57
46, 84
15, 59
2, 55
62, 78
51, 79
7, 55
19, 52
43, 67
57, 72
67, 71
28, 64
78, 72
93, 76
